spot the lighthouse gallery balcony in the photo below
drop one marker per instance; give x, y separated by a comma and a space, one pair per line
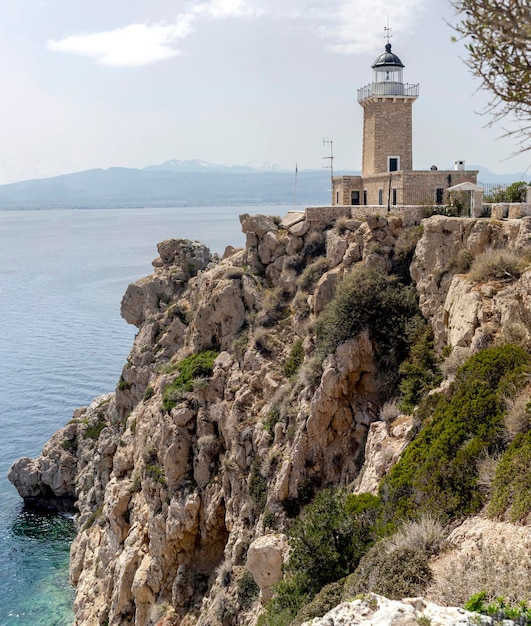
388, 88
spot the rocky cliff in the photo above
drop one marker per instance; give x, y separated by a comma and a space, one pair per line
228, 416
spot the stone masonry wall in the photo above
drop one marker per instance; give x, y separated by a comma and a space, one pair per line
387, 131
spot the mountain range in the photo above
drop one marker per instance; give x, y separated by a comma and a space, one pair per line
184, 183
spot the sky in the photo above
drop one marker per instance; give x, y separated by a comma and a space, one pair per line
131, 83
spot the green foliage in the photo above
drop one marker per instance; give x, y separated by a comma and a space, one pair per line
326, 543
257, 485
70, 445
328, 598
396, 574
123, 385
516, 192
437, 471
295, 359
511, 488
193, 367
369, 298
272, 418
500, 609
94, 430
420, 372
312, 273
248, 590
156, 473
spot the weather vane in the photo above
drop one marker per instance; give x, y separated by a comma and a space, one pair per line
388, 30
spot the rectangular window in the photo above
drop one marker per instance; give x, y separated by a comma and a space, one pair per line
337, 197
365, 197
393, 163
394, 197
355, 198
380, 196
439, 194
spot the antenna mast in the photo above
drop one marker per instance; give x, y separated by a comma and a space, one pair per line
330, 166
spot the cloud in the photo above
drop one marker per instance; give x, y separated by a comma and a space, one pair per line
144, 44
344, 26
134, 45
357, 26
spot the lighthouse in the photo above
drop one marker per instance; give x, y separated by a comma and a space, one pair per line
387, 117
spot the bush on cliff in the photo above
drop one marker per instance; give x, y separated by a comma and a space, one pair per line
511, 488
193, 367
437, 472
370, 298
327, 543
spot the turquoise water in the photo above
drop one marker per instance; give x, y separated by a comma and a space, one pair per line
62, 342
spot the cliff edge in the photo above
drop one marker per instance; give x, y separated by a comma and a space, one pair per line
246, 393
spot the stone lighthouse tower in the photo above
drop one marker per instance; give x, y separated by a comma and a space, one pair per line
387, 117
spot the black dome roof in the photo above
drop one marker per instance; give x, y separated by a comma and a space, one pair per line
388, 59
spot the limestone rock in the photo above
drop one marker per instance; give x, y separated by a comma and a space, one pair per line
265, 558
375, 610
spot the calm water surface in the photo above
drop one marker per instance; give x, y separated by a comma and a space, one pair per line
62, 343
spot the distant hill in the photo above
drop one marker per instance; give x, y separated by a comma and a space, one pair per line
184, 183
174, 183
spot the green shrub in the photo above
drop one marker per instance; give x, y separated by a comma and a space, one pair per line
461, 262
516, 192
328, 541
248, 590
272, 418
511, 488
401, 573
70, 445
437, 472
369, 298
312, 273
196, 366
295, 359
326, 544
93, 431
328, 598
420, 372
257, 485
499, 609
497, 265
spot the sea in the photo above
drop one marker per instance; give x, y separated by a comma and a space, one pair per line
62, 343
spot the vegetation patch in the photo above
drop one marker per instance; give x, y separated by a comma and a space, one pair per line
248, 590
437, 472
199, 365
312, 273
420, 372
257, 485
295, 359
94, 430
370, 298
497, 265
511, 488
327, 543
499, 609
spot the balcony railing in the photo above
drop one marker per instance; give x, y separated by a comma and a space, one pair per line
388, 89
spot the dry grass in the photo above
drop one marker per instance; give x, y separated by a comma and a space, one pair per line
499, 570
497, 265
518, 417
454, 360
390, 411
424, 535
487, 471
